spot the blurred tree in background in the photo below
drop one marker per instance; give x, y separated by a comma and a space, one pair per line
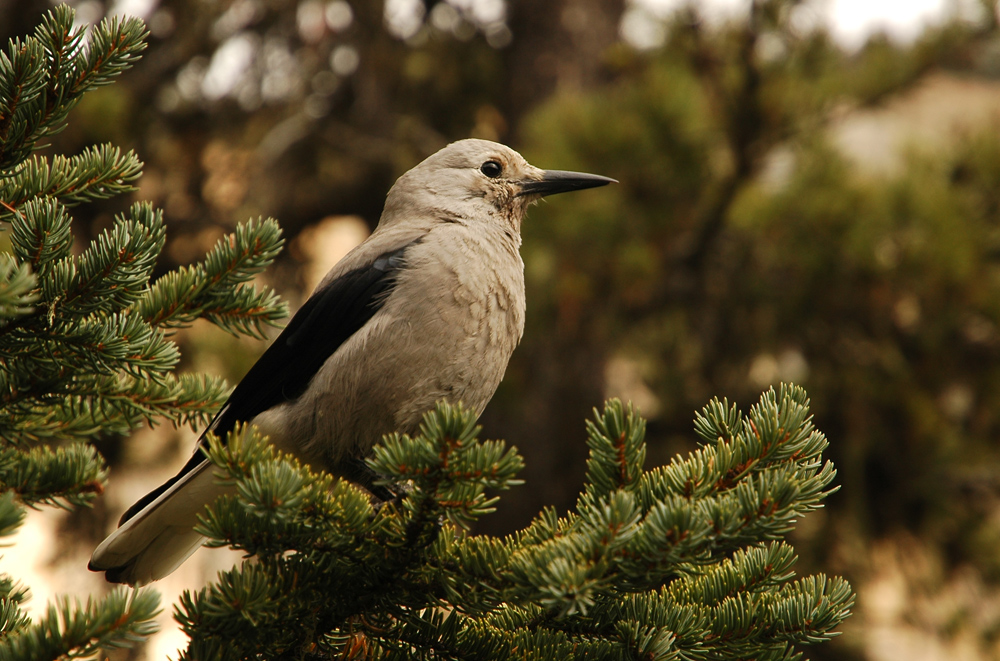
313, 107
743, 246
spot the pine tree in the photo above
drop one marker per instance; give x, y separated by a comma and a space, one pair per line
684, 561
84, 346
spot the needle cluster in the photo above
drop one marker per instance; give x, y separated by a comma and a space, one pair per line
85, 347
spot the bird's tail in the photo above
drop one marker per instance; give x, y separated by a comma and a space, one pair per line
158, 538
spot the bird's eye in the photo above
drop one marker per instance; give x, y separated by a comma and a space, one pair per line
491, 169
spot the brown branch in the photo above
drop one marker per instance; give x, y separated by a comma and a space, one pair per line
744, 129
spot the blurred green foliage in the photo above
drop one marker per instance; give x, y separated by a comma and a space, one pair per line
743, 247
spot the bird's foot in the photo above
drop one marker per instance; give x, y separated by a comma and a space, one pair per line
358, 472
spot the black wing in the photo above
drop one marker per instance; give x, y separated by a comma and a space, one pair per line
283, 372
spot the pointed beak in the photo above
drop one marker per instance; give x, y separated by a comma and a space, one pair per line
560, 181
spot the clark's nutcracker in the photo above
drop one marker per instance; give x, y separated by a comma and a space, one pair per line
428, 308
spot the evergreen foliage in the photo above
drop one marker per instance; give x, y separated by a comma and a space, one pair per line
84, 346
682, 561
867, 271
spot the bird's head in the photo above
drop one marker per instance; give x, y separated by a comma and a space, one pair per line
480, 181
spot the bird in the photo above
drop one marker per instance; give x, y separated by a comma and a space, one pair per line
428, 308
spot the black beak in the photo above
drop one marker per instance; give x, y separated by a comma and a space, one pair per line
559, 181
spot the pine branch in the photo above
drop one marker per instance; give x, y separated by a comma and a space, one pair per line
115, 45
215, 290
751, 570
41, 236
12, 618
17, 290
78, 357
45, 76
623, 576
97, 344
96, 173
71, 630
454, 478
11, 518
22, 80
617, 450
112, 273
67, 477
84, 408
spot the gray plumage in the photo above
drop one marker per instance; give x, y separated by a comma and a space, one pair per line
428, 308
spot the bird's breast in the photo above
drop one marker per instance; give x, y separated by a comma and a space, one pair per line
470, 290
445, 332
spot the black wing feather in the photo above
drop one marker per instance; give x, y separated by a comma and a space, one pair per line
314, 333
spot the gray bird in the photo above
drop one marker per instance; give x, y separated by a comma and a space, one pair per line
428, 308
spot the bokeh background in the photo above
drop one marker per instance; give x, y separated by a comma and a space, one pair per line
810, 192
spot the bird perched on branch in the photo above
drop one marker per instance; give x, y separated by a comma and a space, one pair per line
428, 308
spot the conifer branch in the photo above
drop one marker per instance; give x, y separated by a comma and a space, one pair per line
45, 76
112, 273
42, 235
83, 409
11, 517
637, 570
69, 476
96, 173
71, 630
22, 79
79, 356
17, 290
215, 289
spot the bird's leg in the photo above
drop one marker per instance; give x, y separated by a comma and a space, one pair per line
357, 471
131, 598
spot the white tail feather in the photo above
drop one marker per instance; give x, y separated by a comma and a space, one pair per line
161, 536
